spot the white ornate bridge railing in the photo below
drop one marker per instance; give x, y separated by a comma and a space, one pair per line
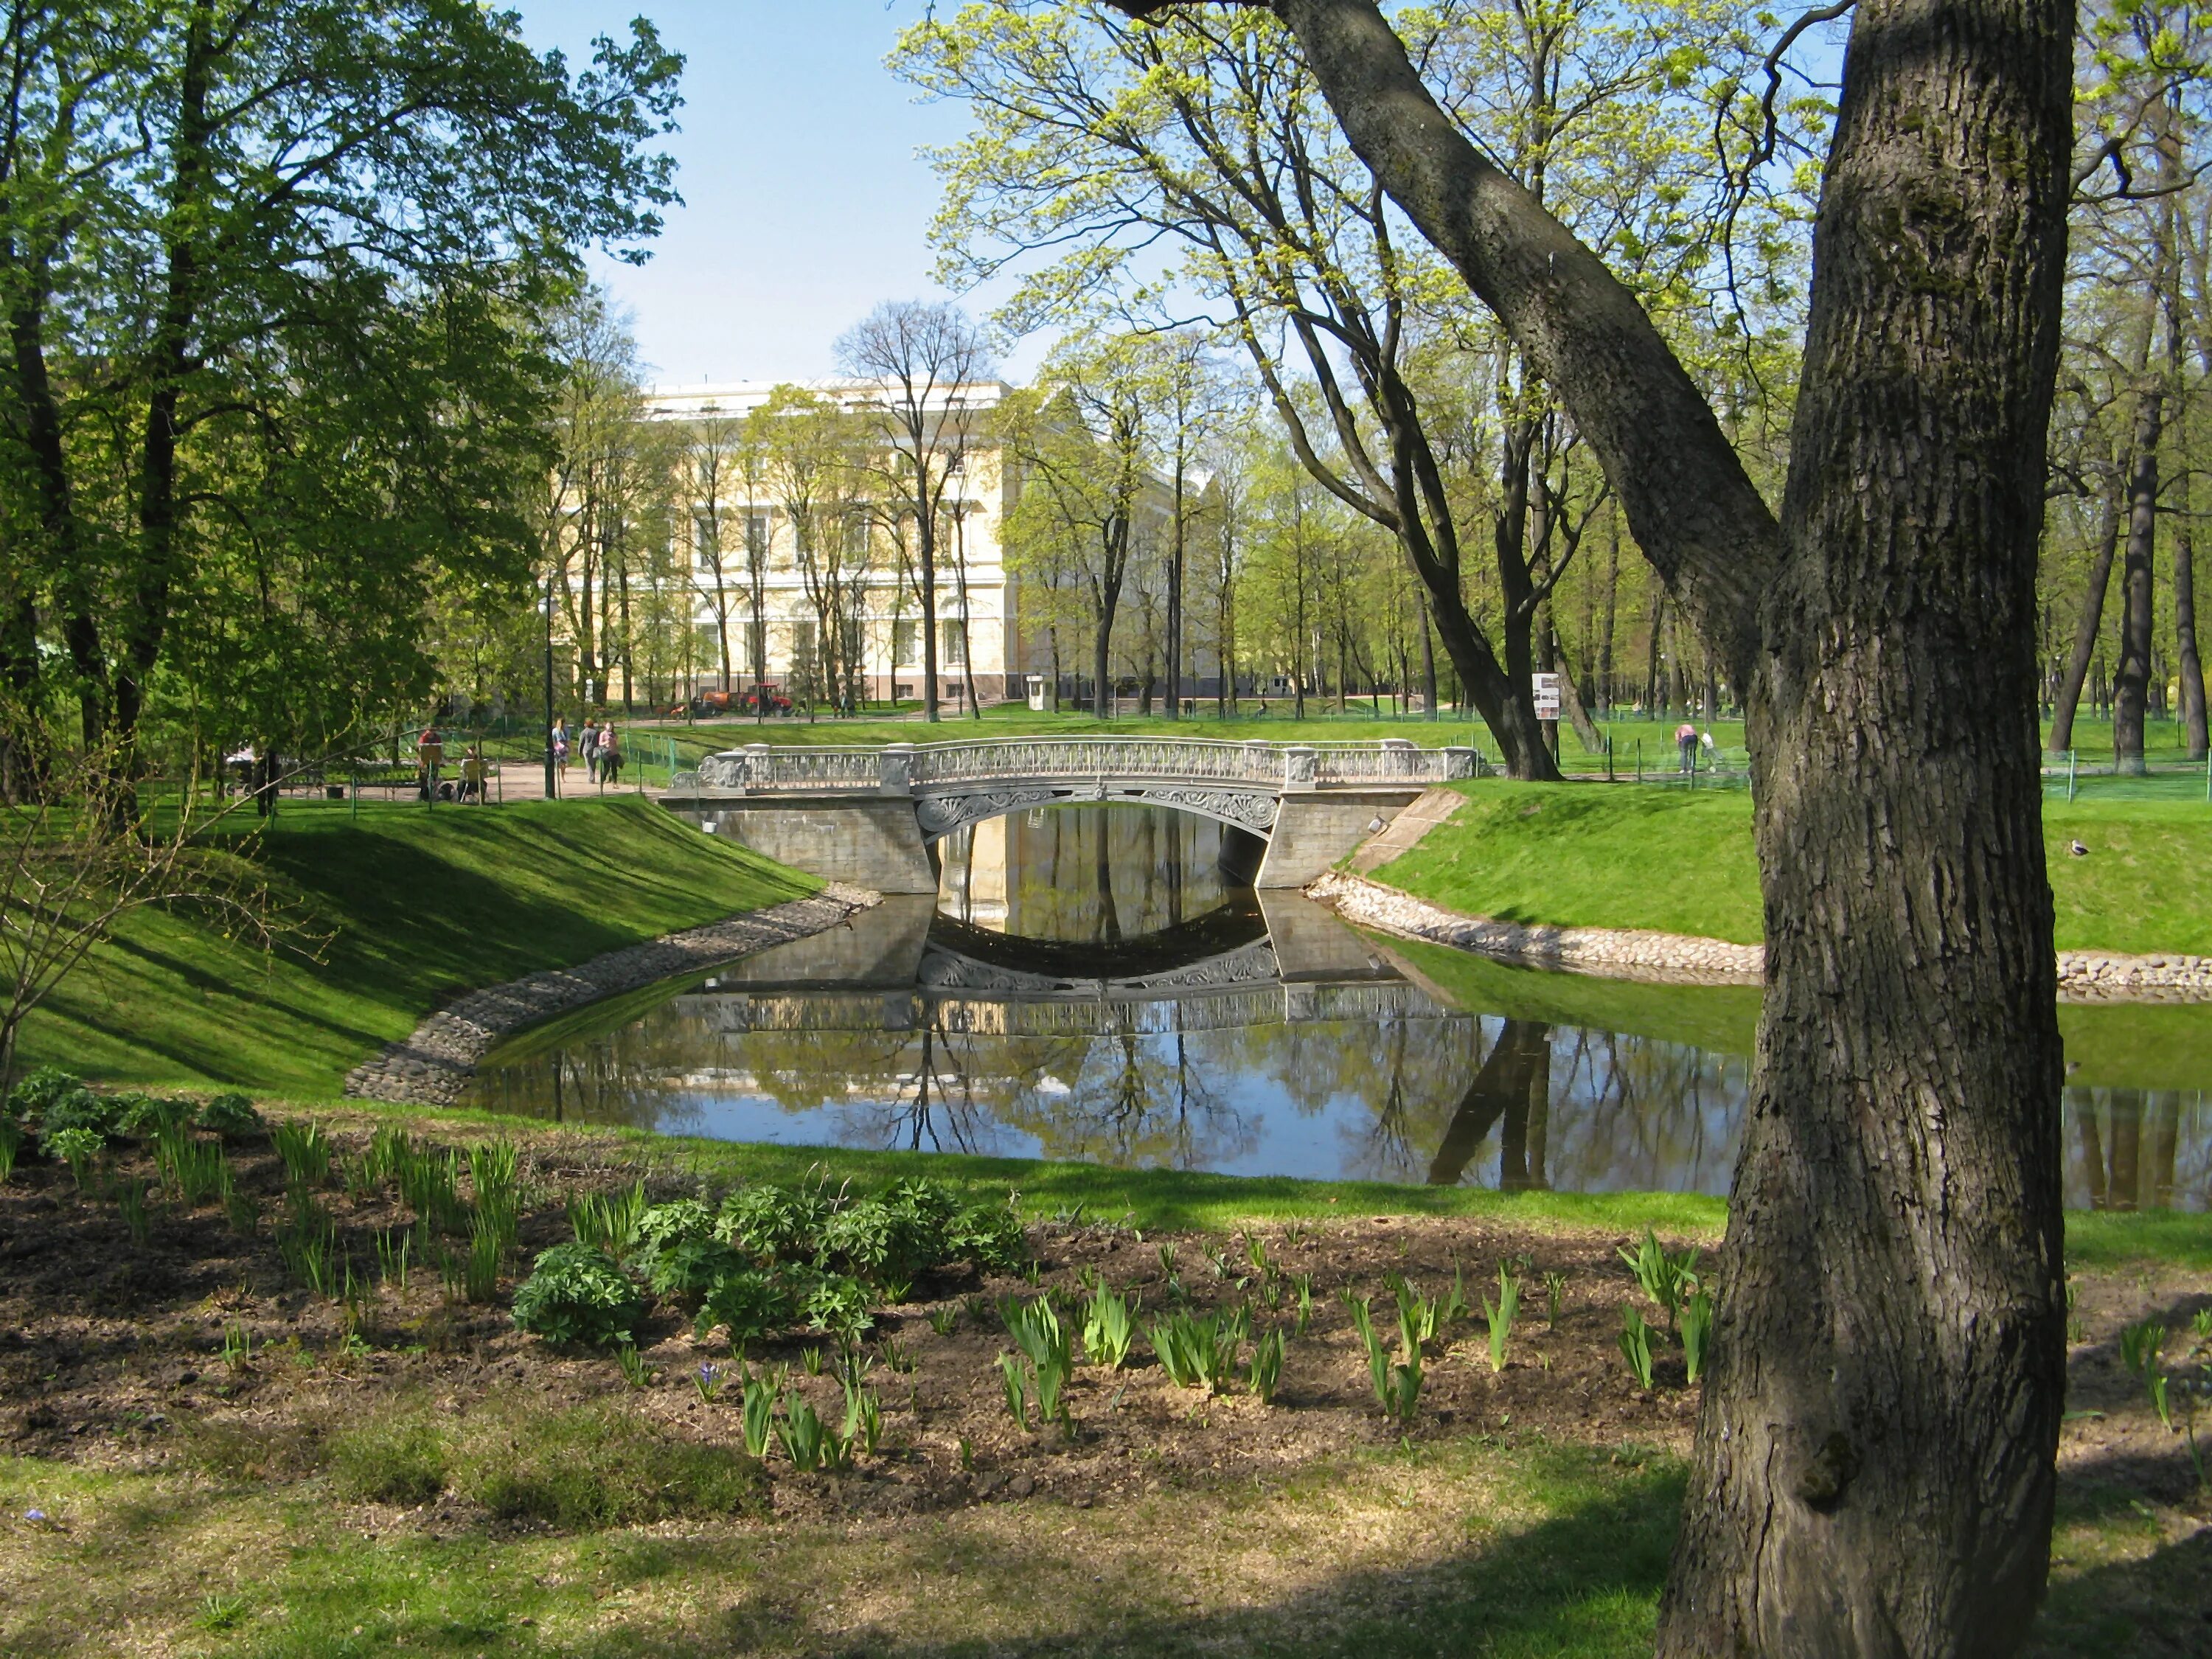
948, 767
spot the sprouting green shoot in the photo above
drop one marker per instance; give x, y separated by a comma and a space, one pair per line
1697, 1331
1109, 1326
1266, 1371
1501, 1315
1555, 1291
1666, 1277
943, 1320
130, 1205
804, 1435
1636, 1344
1016, 1381
635, 1370
757, 1412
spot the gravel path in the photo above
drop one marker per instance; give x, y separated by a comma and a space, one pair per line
429, 1067
1685, 959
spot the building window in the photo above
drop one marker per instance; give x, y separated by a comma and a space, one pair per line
705, 540
906, 642
954, 651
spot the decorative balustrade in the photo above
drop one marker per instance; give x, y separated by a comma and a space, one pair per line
950, 768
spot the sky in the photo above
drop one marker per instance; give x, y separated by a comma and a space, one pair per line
805, 204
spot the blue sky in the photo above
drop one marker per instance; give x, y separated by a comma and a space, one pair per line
805, 204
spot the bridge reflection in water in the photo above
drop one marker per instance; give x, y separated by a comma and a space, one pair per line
1088, 984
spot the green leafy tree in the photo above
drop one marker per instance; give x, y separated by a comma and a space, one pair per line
273, 273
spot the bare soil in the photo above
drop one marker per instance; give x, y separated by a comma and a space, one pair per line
111, 1352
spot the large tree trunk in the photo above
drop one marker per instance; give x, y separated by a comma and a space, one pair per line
1875, 1464
1876, 1450
2186, 660
2086, 629
2131, 677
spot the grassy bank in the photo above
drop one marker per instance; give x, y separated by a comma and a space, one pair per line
397, 911
1682, 863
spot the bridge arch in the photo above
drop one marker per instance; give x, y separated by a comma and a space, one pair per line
941, 811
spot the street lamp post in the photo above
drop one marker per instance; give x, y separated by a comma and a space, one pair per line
551, 787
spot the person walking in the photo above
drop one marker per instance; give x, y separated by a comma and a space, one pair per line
1685, 743
611, 755
429, 756
590, 744
560, 745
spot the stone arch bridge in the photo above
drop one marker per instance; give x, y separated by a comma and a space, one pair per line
873, 816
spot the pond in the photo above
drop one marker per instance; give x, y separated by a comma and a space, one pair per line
1089, 984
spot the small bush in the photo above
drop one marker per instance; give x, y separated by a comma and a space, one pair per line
882, 1242
772, 1223
663, 1224
578, 1294
35, 1092
232, 1117
598, 1466
399, 1458
686, 1270
78, 1108
829, 1302
753, 1305
989, 1235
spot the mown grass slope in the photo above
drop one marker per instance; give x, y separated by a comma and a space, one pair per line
394, 913
1681, 862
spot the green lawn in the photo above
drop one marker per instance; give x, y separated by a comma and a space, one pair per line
406, 908
1682, 863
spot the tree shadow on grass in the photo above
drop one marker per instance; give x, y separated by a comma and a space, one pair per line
1584, 1581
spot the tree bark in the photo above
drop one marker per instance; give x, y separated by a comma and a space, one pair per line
1875, 1456
2088, 629
2131, 676
2191, 667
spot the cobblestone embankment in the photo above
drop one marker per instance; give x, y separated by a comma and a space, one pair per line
1616, 952
1685, 959
429, 1067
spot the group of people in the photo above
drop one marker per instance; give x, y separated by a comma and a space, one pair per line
601, 746
429, 763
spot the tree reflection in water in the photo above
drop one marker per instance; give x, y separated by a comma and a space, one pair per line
1326, 1064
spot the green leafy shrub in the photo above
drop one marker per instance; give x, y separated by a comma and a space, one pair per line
398, 1459
599, 1466
577, 1294
686, 1269
78, 1108
752, 1304
660, 1225
232, 1117
142, 1116
36, 1091
834, 1303
879, 1242
989, 1235
79, 1148
773, 1224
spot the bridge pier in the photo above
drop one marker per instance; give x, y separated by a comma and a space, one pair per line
870, 843
1314, 830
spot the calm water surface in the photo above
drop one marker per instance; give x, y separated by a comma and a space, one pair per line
1088, 984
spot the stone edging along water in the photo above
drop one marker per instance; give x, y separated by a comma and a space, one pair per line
430, 1066
1685, 959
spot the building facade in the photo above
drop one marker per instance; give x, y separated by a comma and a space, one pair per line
830, 545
